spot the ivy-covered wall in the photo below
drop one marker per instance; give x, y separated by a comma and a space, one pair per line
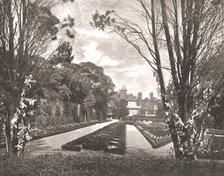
58, 112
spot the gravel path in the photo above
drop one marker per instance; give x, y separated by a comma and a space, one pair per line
136, 143
53, 143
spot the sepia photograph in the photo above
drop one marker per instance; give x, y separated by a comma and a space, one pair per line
111, 87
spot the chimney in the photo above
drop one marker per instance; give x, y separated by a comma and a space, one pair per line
139, 102
151, 95
123, 92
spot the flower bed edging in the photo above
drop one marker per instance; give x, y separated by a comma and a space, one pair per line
102, 139
155, 141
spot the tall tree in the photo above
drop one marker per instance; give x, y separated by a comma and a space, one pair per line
101, 86
26, 27
187, 32
121, 109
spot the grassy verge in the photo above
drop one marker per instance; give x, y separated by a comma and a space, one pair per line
101, 140
113, 165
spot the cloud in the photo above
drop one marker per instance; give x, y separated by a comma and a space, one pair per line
107, 61
92, 33
133, 70
92, 54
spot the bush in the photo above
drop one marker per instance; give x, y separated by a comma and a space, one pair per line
100, 139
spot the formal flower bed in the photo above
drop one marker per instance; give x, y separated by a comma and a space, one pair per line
109, 139
38, 133
216, 132
156, 133
214, 151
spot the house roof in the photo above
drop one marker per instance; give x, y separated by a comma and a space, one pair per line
131, 97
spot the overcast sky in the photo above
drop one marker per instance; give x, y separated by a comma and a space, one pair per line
108, 50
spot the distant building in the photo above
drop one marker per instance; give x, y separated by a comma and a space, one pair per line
136, 104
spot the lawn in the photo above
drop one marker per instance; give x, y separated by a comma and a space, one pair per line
107, 164
109, 139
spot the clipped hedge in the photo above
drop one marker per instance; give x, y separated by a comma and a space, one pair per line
100, 139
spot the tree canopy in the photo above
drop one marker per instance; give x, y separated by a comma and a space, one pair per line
189, 34
25, 32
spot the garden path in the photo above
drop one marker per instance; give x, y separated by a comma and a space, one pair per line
53, 144
136, 143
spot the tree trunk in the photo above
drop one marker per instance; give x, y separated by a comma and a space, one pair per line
174, 137
9, 145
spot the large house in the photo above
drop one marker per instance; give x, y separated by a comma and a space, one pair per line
136, 104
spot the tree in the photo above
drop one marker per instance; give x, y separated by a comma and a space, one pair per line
190, 33
25, 31
101, 86
63, 54
84, 84
121, 109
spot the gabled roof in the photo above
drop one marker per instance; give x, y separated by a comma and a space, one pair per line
131, 97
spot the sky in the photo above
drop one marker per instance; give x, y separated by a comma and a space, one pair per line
106, 49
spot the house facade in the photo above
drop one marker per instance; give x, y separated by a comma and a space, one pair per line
136, 104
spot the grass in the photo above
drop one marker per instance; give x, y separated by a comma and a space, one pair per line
100, 139
113, 165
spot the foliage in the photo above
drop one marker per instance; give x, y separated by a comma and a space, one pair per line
101, 85
89, 165
100, 139
217, 111
190, 33
84, 84
121, 109
25, 32
63, 54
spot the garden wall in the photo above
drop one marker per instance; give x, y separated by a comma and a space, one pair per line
55, 112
